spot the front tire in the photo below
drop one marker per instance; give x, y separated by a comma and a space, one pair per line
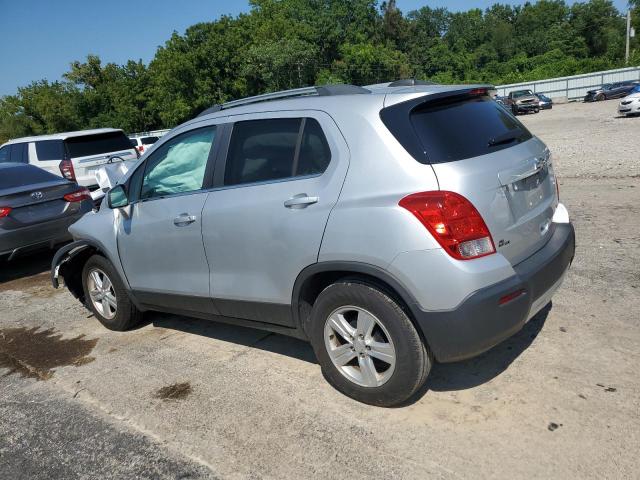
366, 345
106, 296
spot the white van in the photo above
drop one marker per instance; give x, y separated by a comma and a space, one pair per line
73, 155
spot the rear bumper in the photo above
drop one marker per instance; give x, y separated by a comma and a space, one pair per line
480, 322
40, 236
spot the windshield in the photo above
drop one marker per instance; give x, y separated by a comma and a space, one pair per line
522, 93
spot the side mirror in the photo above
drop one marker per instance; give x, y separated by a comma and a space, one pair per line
117, 197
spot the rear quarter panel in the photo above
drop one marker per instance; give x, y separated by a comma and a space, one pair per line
367, 225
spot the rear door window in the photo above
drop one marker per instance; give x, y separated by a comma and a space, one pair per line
18, 153
91, 145
315, 154
456, 129
275, 149
50, 150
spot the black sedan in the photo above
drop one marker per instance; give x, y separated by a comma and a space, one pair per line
609, 91
545, 102
36, 208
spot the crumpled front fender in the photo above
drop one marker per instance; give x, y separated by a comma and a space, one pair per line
64, 255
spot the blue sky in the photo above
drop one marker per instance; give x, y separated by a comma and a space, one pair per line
39, 38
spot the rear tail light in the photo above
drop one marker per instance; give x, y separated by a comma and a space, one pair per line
453, 221
66, 169
78, 195
478, 92
4, 211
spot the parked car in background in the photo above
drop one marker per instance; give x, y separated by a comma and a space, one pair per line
610, 90
545, 102
500, 99
630, 105
36, 208
522, 101
74, 155
426, 242
142, 144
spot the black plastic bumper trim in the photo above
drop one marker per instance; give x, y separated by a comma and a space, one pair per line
480, 323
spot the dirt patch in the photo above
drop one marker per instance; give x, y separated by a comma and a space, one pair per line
35, 285
35, 353
177, 391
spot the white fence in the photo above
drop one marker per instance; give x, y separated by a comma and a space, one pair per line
574, 87
153, 133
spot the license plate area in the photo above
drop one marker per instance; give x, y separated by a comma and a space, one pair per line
528, 193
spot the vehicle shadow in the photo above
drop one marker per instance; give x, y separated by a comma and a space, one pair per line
27, 265
248, 337
445, 377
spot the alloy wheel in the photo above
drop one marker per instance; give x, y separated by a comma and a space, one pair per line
360, 346
102, 293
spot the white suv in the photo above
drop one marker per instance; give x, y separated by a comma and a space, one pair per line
143, 143
73, 155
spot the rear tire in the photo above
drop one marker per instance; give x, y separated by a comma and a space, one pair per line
106, 296
382, 363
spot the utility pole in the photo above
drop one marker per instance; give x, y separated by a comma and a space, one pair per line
626, 56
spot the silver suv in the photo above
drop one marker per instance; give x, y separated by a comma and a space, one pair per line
391, 226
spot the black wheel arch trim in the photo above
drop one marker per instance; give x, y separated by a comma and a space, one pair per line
70, 251
348, 268
64, 254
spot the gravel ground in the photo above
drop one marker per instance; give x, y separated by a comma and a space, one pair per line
590, 139
182, 398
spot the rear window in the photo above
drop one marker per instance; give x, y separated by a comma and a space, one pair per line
148, 140
90, 145
451, 130
21, 175
50, 150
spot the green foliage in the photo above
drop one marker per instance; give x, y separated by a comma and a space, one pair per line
291, 43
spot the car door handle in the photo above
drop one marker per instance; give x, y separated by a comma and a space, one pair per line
184, 219
300, 201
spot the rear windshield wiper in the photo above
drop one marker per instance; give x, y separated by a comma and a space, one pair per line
505, 138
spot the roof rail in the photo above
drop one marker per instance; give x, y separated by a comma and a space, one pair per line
325, 90
410, 82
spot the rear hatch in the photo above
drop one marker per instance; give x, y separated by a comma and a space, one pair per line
480, 151
89, 152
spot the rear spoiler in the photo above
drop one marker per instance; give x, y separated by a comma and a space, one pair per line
397, 118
